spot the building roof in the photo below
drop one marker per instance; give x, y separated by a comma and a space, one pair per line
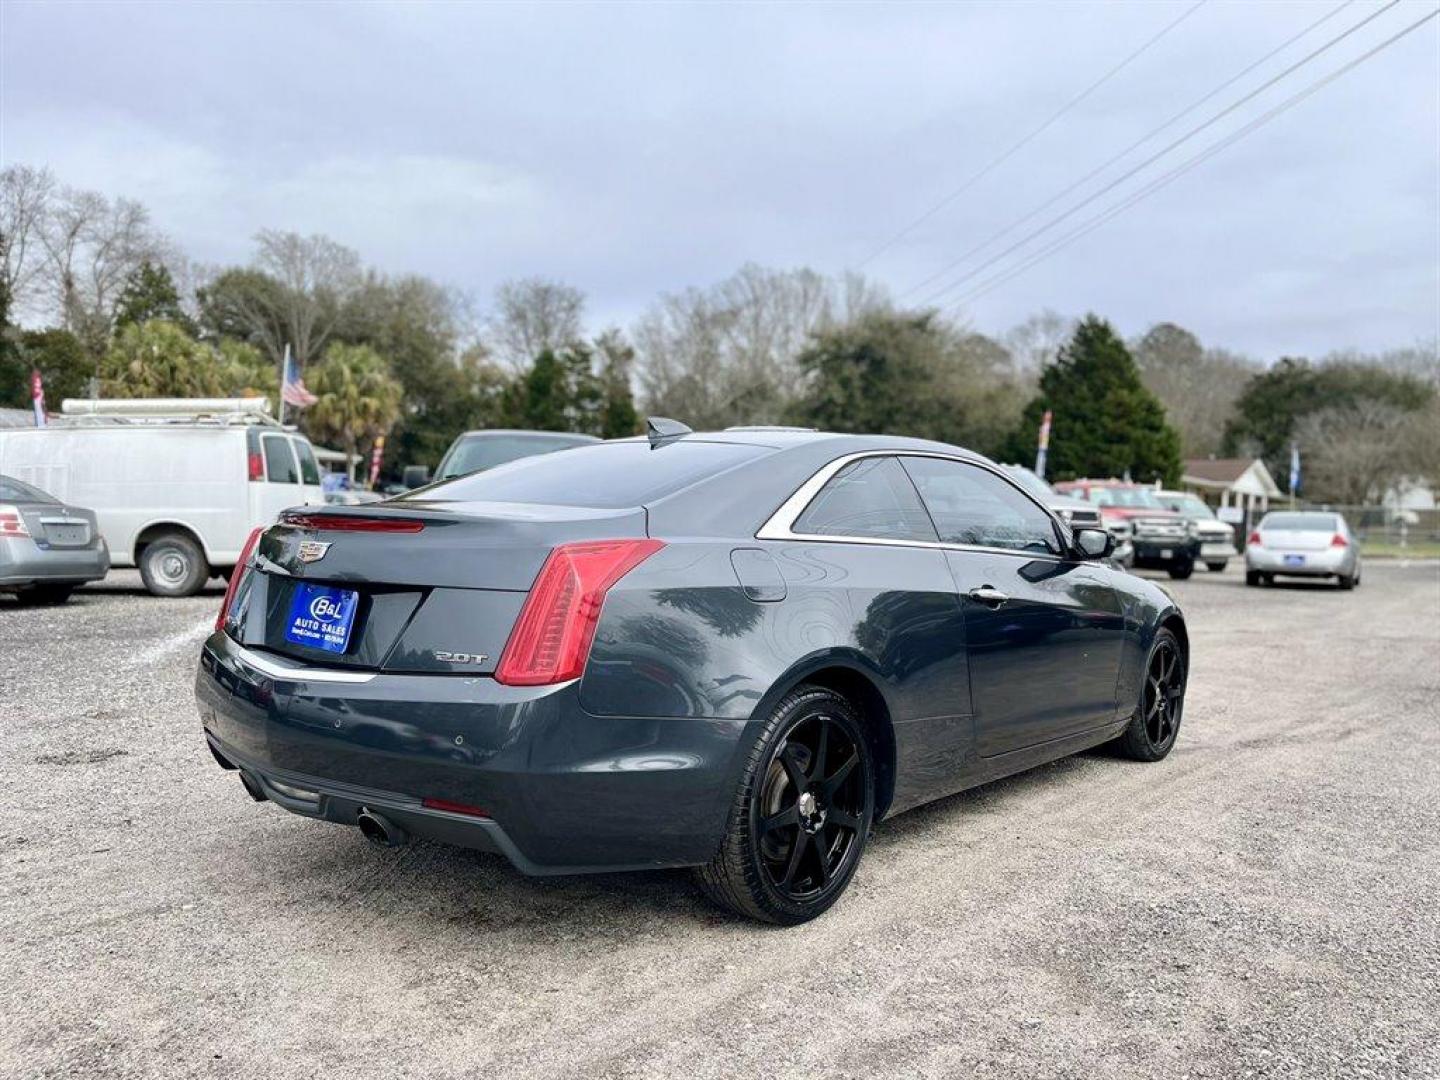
1245, 476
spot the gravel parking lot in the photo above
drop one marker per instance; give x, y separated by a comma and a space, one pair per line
1265, 902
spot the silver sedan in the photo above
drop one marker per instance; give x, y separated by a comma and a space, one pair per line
1302, 544
46, 547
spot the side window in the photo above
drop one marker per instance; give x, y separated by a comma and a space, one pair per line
279, 460
309, 471
972, 506
871, 497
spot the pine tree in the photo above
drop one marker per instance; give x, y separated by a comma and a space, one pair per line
1105, 422
150, 293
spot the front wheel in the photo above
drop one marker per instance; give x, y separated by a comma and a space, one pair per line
1156, 721
1181, 570
1216, 567
801, 815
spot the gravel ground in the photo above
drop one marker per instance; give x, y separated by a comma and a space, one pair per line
1266, 902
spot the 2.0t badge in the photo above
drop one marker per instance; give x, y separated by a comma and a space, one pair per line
312, 550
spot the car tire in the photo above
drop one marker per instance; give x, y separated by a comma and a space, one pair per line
173, 565
1346, 583
1252, 578
1155, 724
801, 815
1216, 567
1181, 570
44, 595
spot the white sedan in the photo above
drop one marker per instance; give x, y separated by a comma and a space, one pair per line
1302, 544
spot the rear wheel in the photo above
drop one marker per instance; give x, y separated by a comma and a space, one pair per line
44, 595
1252, 578
173, 565
801, 815
1346, 582
1156, 721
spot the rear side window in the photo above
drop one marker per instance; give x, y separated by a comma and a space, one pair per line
871, 497
1300, 523
279, 460
309, 471
486, 451
605, 476
14, 491
972, 506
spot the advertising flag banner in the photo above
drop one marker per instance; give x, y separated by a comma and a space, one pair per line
37, 396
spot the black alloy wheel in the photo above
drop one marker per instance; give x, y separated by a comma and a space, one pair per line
1156, 721
801, 816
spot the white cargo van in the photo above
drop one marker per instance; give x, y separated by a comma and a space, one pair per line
176, 485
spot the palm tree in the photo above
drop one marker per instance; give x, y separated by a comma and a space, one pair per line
358, 398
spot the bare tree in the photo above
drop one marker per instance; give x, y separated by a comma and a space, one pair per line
316, 276
726, 354
1354, 453
1197, 386
1036, 342
25, 195
532, 315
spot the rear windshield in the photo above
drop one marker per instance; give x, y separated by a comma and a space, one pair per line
14, 491
1300, 523
475, 452
606, 476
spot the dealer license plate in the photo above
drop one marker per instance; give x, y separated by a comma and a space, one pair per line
321, 617
1294, 560
1165, 553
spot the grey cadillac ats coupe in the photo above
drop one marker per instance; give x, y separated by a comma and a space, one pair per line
734, 651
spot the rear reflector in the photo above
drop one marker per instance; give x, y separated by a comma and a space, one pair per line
11, 523
340, 523
454, 807
1339, 541
242, 567
551, 639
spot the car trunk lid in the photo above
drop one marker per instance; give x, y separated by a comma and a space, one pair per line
418, 587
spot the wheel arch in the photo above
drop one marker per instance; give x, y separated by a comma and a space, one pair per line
1173, 621
850, 677
153, 530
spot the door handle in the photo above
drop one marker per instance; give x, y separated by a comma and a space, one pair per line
988, 594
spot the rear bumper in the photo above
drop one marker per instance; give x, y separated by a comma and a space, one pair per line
563, 791
23, 562
1325, 562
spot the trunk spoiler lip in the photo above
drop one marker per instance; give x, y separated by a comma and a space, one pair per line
441, 512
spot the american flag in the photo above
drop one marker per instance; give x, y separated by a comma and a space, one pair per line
292, 390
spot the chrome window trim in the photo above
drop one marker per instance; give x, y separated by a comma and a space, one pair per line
296, 672
779, 526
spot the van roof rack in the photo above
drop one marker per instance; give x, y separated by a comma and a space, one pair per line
98, 412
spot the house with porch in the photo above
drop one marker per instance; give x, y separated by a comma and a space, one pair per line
1241, 486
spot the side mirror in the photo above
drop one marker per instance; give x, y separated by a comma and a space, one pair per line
1094, 543
415, 476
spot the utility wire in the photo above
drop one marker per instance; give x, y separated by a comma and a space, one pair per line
962, 259
1016, 147
1099, 219
1112, 185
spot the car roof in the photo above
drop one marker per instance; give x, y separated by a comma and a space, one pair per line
777, 438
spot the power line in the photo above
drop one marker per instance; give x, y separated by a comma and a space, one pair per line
1193, 162
1016, 147
1112, 185
960, 260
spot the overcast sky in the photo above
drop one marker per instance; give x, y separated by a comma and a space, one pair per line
630, 150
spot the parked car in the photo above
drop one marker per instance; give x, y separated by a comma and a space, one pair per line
477, 450
1163, 539
47, 548
1302, 543
1077, 513
1217, 540
732, 651
175, 495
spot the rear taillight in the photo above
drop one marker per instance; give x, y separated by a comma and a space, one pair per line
1254, 538
242, 567
340, 523
257, 466
552, 636
11, 523
1339, 541
454, 807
